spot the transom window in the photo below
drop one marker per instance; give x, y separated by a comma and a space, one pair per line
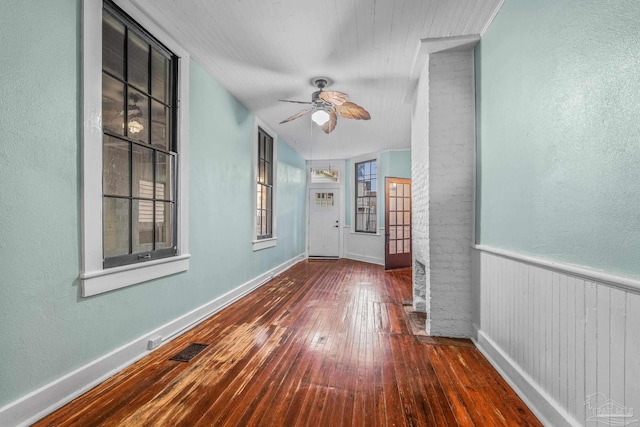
366, 196
264, 190
139, 151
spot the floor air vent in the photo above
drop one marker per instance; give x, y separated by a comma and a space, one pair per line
191, 351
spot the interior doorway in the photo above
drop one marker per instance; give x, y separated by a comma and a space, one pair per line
324, 222
397, 252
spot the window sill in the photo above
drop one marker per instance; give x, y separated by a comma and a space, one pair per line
101, 281
264, 243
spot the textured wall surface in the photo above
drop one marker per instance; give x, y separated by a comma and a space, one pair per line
420, 188
47, 329
558, 132
451, 169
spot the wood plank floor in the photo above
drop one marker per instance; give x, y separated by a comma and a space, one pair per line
327, 343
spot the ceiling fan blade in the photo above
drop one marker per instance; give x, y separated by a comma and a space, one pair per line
333, 97
295, 102
331, 124
349, 110
295, 116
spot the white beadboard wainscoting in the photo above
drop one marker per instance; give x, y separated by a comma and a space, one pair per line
567, 338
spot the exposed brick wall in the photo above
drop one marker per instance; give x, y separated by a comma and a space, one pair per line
420, 188
443, 141
451, 168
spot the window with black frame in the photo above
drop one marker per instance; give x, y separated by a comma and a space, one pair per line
264, 188
366, 196
139, 78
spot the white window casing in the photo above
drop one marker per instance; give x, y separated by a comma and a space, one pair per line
94, 278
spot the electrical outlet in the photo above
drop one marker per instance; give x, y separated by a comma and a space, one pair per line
154, 342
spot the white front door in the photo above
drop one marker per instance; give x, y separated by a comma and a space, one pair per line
324, 222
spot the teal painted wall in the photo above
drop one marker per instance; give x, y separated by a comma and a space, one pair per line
394, 164
557, 116
47, 329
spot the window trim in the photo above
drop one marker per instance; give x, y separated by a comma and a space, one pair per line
354, 161
259, 244
94, 278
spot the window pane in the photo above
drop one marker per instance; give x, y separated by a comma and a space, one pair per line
366, 200
392, 233
159, 125
142, 172
407, 190
400, 190
138, 114
259, 198
159, 75
265, 196
165, 173
392, 189
268, 224
400, 234
261, 178
407, 204
324, 175
142, 225
392, 218
407, 231
116, 226
138, 62
392, 204
268, 155
259, 222
164, 228
112, 45
407, 218
115, 161
112, 105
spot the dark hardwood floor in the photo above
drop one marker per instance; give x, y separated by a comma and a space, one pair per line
327, 343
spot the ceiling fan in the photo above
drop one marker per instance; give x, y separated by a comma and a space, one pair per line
327, 106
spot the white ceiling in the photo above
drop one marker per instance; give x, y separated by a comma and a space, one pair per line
265, 50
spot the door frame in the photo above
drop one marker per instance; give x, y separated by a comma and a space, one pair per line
338, 165
334, 190
387, 232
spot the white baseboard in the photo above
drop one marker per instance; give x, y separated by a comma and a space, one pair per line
364, 258
54, 395
549, 412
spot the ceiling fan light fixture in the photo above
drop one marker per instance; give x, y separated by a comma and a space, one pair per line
320, 116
